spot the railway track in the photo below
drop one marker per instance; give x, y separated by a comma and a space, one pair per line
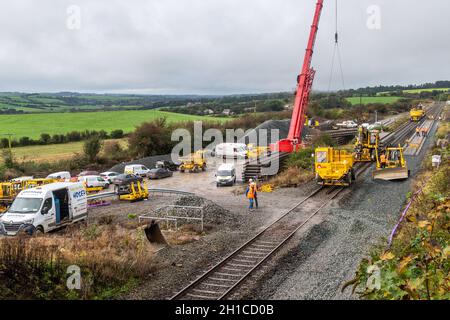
221, 280
225, 277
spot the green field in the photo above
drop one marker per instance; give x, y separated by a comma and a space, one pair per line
32, 125
426, 90
368, 100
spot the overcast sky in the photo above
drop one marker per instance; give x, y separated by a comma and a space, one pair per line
216, 46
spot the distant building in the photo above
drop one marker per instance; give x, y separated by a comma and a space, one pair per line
288, 107
226, 112
208, 111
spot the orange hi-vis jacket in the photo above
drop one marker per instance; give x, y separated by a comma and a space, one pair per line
251, 192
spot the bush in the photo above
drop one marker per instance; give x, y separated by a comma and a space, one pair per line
92, 148
301, 159
112, 150
116, 134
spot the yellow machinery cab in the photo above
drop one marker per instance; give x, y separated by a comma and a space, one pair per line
334, 167
367, 142
32, 183
194, 162
394, 166
311, 123
416, 114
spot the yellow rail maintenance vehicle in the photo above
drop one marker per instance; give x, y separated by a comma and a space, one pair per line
254, 152
367, 142
391, 164
33, 183
334, 167
8, 192
416, 114
194, 162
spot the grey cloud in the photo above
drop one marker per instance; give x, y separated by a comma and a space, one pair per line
218, 46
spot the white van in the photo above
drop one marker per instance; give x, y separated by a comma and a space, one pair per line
226, 175
231, 150
45, 208
63, 175
137, 170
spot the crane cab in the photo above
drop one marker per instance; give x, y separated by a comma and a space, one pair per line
334, 167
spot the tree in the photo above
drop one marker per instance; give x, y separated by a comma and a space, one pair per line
45, 138
151, 138
92, 148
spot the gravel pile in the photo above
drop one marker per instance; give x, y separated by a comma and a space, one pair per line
212, 213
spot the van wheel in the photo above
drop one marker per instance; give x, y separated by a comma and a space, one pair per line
39, 230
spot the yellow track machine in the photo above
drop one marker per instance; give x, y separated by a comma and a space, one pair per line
391, 164
416, 114
8, 192
334, 167
193, 162
254, 152
367, 142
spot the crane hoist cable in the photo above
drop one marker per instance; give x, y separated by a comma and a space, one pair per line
336, 53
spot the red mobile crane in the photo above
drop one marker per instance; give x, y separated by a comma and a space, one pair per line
304, 84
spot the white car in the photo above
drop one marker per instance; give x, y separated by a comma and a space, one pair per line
94, 182
231, 150
347, 124
108, 176
137, 169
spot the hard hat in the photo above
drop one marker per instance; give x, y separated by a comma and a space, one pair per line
250, 180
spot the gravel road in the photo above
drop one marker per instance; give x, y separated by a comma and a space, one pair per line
323, 257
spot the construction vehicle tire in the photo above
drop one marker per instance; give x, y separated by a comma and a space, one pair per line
353, 175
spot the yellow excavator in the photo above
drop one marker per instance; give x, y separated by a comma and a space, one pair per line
194, 162
391, 164
367, 142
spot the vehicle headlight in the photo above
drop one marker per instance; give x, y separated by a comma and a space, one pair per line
29, 221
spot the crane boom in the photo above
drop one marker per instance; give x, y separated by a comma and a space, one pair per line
304, 85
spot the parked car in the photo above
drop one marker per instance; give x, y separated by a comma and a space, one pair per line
109, 175
137, 169
375, 126
347, 124
88, 173
94, 182
62, 175
125, 178
159, 173
226, 175
168, 165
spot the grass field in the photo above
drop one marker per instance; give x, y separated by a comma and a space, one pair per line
54, 152
32, 125
426, 90
367, 100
